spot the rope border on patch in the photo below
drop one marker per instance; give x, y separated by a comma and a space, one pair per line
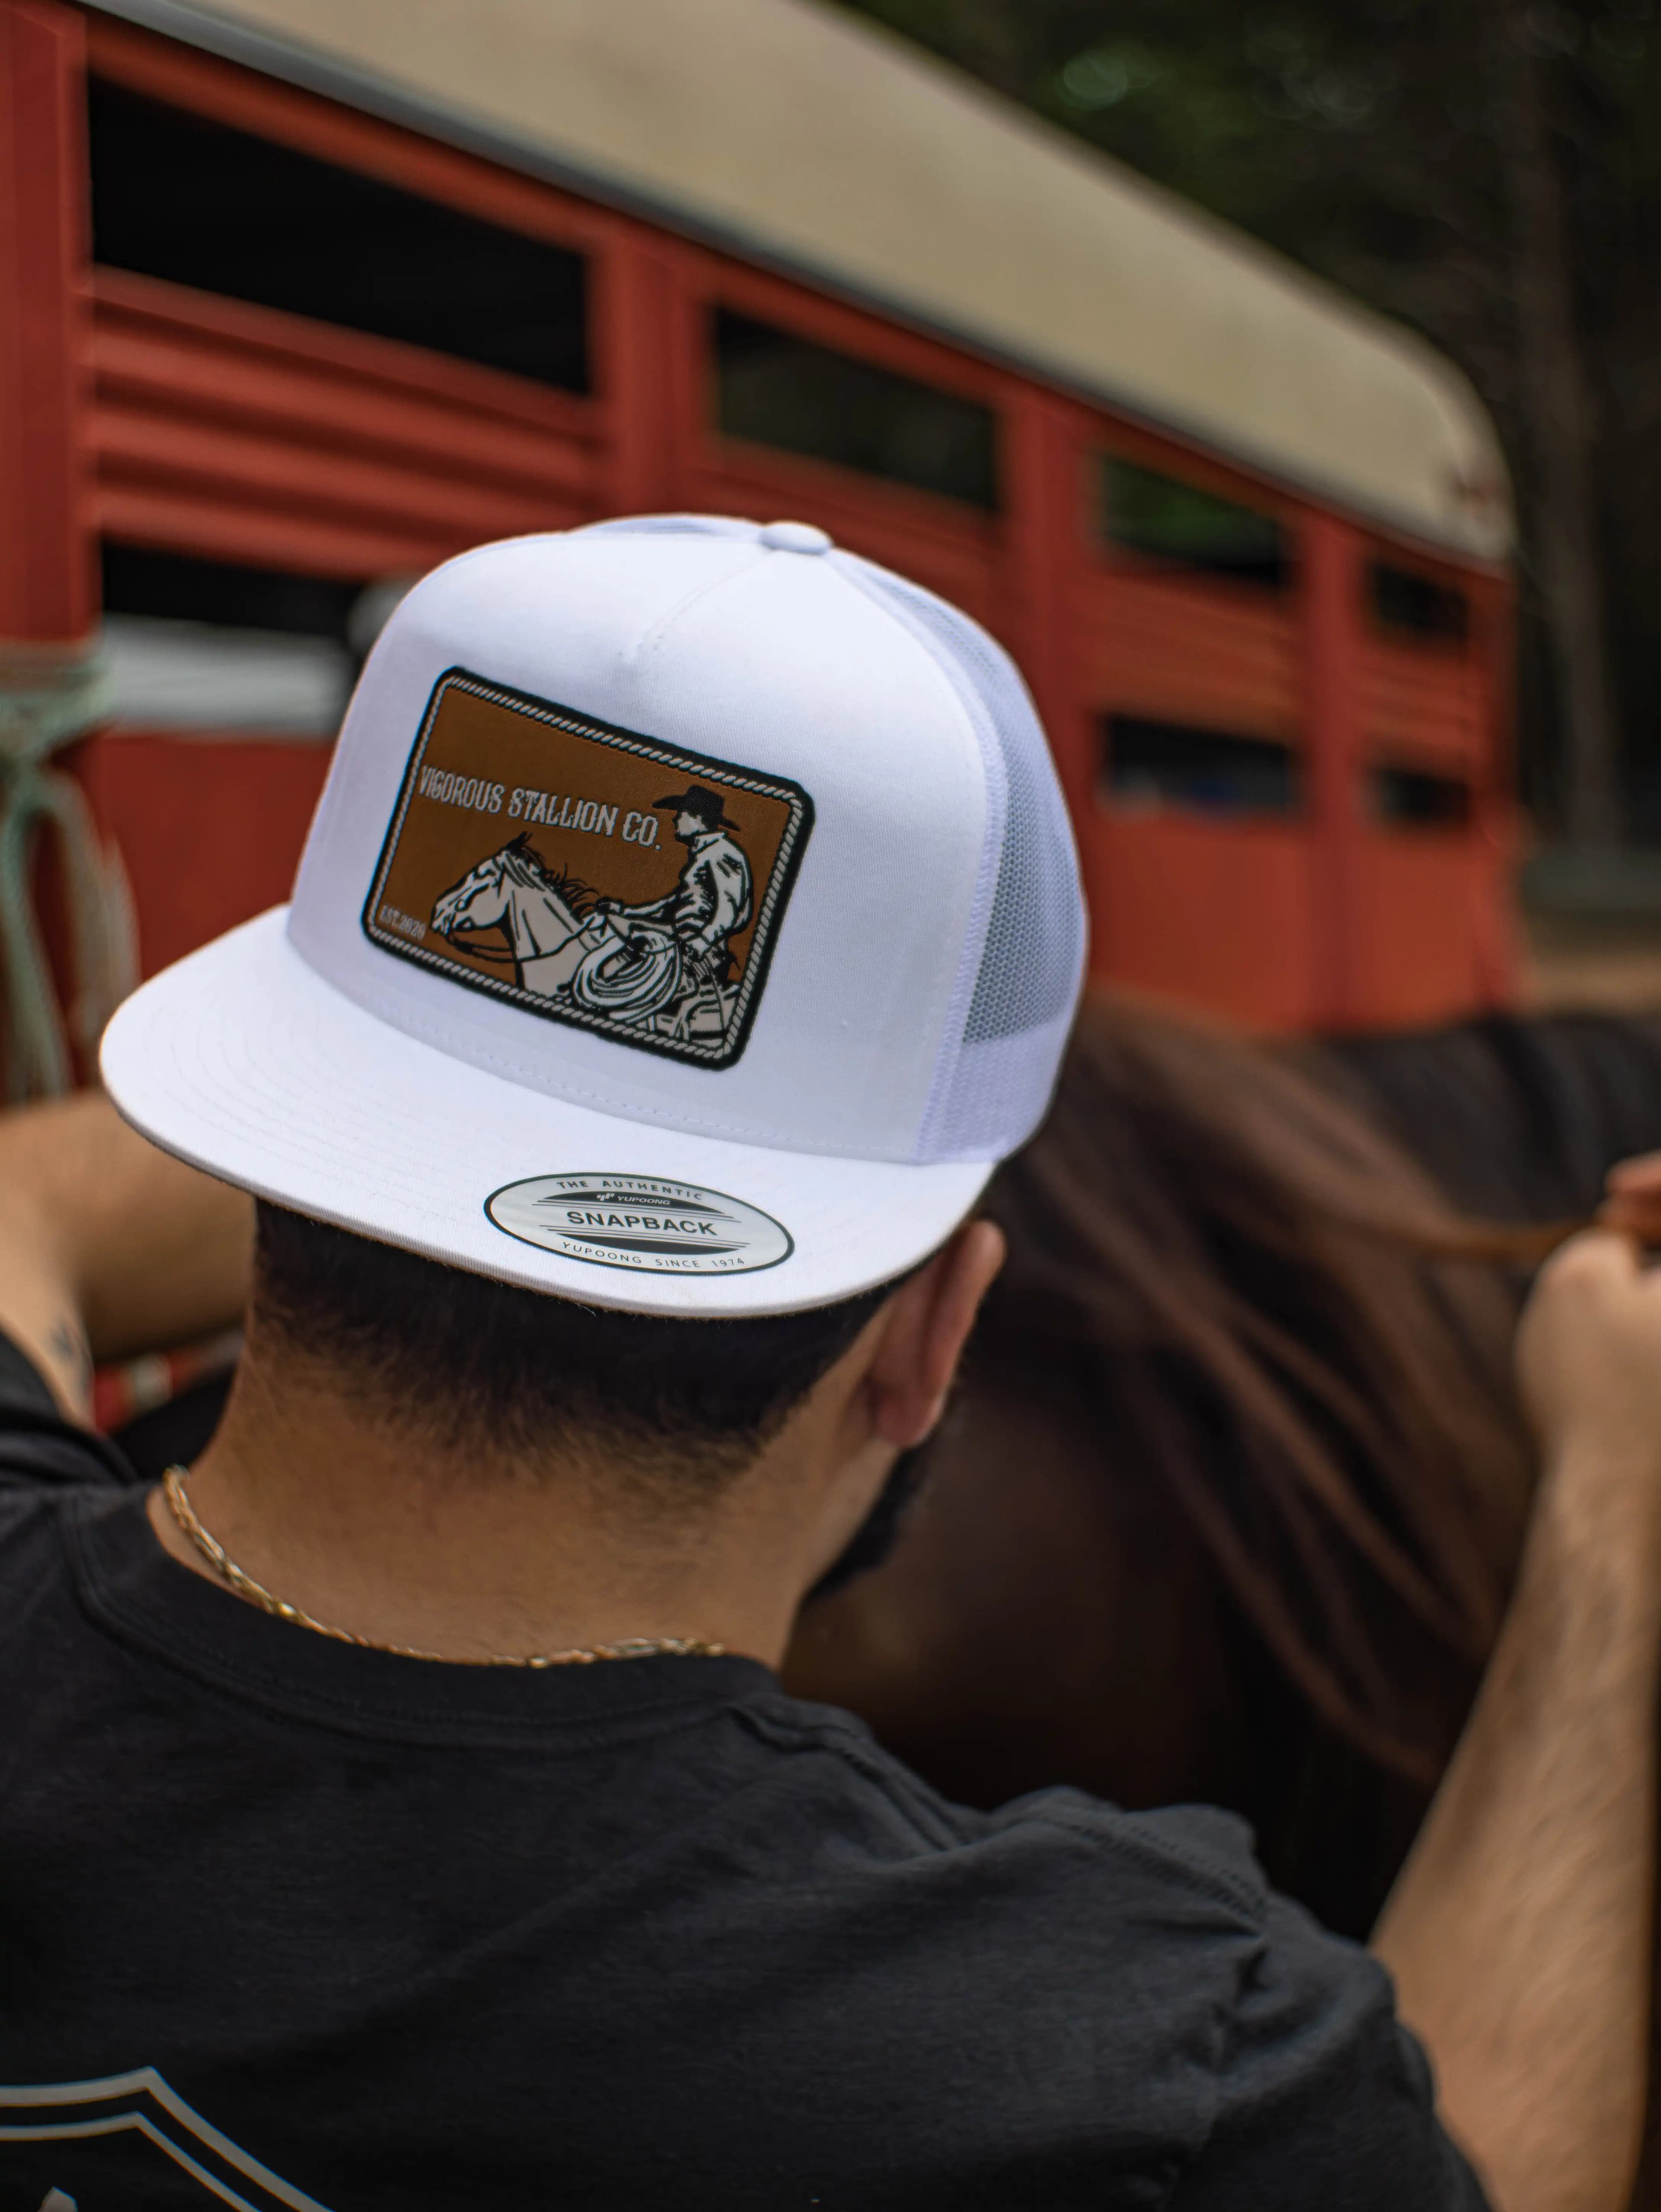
679, 760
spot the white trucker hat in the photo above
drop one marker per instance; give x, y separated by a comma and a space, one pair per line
690, 924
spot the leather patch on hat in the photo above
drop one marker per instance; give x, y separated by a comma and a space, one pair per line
588, 874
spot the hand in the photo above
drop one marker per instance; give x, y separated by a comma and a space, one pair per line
1588, 1359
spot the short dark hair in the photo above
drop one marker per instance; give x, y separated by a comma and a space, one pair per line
471, 1359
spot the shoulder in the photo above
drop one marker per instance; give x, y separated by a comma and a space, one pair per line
1062, 1835
1139, 1963
1063, 1914
43, 1456
50, 1472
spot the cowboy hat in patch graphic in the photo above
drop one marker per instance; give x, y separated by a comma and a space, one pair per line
588, 874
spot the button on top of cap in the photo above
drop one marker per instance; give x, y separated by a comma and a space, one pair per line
795, 538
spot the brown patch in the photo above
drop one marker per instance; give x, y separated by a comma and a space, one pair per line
557, 819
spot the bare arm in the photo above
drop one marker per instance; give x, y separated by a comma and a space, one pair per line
109, 1248
1518, 1932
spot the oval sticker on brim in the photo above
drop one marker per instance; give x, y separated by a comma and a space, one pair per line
641, 1222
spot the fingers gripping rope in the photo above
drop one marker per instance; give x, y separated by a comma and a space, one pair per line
48, 697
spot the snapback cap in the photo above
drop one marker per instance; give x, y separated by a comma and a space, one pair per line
690, 923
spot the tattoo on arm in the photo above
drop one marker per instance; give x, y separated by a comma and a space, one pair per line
69, 1346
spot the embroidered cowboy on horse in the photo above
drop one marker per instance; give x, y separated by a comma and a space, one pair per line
664, 967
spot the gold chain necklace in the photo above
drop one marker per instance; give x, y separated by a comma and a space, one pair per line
633, 1647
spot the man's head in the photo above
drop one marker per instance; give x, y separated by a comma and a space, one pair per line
695, 811
704, 1191
668, 1417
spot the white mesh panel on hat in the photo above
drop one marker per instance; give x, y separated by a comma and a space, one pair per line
1024, 960
992, 1090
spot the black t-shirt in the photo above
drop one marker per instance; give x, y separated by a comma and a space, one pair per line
285, 1923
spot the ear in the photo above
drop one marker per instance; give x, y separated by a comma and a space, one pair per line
924, 1331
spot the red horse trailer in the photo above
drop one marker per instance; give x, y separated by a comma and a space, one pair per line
298, 297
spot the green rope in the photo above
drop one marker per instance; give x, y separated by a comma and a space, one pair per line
47, 698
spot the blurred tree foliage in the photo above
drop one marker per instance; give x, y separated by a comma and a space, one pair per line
1489, 170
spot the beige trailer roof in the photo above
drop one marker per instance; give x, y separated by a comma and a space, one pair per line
800, 135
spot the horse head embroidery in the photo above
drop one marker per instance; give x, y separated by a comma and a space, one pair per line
543, 912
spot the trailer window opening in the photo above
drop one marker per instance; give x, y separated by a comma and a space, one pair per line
1149, 766
212, 646
1415, 799
1163, 518
174, 586
1416, 605
784, 390
195, 202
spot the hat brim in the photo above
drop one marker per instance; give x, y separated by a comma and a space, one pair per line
243, 1061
